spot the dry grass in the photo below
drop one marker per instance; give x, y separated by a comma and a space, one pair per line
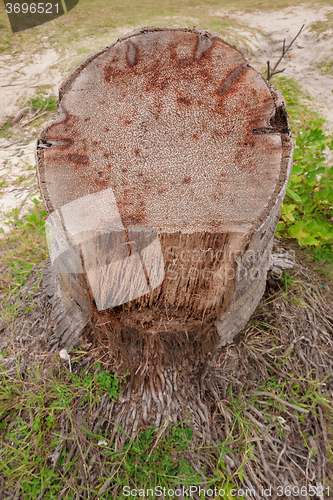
89, 27
321, 27
260, 414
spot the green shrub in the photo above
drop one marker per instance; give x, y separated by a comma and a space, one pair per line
307, 210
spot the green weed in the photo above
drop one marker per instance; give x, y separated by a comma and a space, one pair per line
326, 67
100, 383
306, 213
139, 462
43, 102
298, 103
308, 207
20, 179
323, 253
287, 280
4, 130
31, 412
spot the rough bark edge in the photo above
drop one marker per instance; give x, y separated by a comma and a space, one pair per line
70, 317
240, 310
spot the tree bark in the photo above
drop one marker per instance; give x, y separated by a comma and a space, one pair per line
163, 175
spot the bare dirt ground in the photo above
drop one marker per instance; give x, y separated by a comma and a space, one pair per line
21, 77
302, 61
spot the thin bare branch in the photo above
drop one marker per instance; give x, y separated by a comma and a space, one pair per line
273, 72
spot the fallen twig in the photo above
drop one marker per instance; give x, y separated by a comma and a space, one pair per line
11, 144
32, 119
284, 403
164, 426
20, 115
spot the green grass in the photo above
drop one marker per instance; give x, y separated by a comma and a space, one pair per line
304, 118
26, 449
31, 412
299, 105
32, 407
4, 130
326, 24
317, 259
326, 67
22, 249
20, 179
42, 102
307, 210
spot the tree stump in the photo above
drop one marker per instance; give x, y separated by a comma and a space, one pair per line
163, 175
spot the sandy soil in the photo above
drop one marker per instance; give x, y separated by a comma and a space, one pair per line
20, 78
15, 160
301, 62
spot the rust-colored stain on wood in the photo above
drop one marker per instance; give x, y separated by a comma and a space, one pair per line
158, 114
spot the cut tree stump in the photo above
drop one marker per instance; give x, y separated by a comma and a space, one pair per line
162, 174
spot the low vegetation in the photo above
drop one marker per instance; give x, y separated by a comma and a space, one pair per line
57, 439
88, 26
43, 102
324, 26
307, 210
40, 107
23, 248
